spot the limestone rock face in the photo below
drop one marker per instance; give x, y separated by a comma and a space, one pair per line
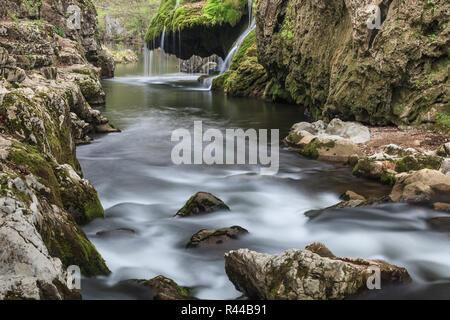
324, 55
44, 113
57, 13
201, 202
304, 274
422, 185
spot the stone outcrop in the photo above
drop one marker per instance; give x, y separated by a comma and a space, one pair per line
47, 86
205, 237
313, 273
350, 199
336, 141
419, 186
322, 54
201, 203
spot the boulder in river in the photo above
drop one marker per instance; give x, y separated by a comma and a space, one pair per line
313, 273
215, 236
163, 288
201, 202
422, 185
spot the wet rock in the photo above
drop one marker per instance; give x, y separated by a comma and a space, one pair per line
441, 206
205, 238
304, 275
351, 200
163, 288
200, 203
441, 224
115, 232
418, 186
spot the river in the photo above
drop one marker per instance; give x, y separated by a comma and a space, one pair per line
141, 189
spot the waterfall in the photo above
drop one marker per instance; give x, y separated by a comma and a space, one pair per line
250, 5
225, 65
148, 61
161, 51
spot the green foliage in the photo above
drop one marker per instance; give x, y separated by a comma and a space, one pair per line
192, 13
133, 17
59, 31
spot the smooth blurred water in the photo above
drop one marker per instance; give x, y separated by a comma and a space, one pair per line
141, 189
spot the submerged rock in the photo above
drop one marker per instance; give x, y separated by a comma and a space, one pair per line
205, 238
115, 232
350, 200
163, 288
441, 224
313, 273
201, 202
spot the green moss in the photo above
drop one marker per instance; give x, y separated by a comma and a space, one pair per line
387, 178
294, 138
409, 163
29, 158
311, 150
73, 248
193, 13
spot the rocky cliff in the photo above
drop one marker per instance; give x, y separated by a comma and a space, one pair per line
47, 87
323, 55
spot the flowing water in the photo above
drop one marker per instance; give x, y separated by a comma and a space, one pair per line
141, 189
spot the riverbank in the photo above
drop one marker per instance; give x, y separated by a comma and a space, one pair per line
47, 90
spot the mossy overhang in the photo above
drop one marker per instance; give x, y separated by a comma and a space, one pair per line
201, 28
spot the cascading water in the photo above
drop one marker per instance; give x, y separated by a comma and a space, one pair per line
225, 65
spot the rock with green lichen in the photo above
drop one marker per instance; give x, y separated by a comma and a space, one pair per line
162, 288
201, 203
205, 237
321, 54
43, 196
310, 274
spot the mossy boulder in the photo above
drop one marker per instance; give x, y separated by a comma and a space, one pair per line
201, 203
418, 162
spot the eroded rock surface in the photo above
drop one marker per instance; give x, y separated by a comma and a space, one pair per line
313, 273
163, 288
